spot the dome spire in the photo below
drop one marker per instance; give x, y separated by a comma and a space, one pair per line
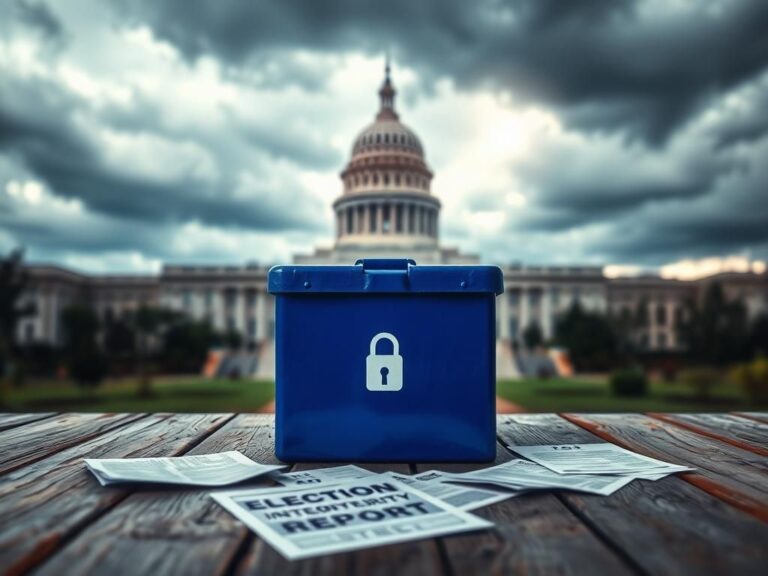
387, 96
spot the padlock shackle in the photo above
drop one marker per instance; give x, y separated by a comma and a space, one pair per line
385, 336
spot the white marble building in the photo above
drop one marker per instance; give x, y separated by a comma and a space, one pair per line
387, 210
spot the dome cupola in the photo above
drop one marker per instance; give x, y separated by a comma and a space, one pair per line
386, 198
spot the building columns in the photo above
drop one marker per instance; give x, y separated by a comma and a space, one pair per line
261, 320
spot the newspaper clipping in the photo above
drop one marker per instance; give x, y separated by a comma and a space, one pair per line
304, 521
201, 470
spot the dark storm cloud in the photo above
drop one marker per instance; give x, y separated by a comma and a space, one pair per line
38, 15
37, 129
608, 64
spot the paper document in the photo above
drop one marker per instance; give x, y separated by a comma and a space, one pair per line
522, 475
603, 458
313, 520
321, 475
434, 483
203, 470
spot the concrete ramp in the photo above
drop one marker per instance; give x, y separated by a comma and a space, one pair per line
506, 367
265, 366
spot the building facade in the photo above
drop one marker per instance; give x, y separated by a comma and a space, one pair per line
386, 210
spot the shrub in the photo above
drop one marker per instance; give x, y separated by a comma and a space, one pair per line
701, 379
88, 369
631, 382
753, 378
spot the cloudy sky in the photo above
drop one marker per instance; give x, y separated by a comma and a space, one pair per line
625, 133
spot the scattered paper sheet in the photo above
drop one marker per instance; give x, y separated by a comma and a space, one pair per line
602, 458
202, 470
434, 483
321, 475
324, 519
522, 475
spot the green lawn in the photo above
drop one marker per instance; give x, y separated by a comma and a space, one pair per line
593, 395
196, 394
190, 394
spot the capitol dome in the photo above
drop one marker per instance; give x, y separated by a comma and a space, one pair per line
386, 199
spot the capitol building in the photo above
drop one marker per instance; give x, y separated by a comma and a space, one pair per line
386, 209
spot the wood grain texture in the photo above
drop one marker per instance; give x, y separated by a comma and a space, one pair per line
56, 518
46, 502
734, 475
759, 416
665, 527
10, 420
741, 432
175, 530
37, 440
533, 534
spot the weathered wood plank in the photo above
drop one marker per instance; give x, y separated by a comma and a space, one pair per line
741, 432
418, 557
171, 531
736, 476
10, 420
760, 416
535, 534
46, 502
35, 441
665, 527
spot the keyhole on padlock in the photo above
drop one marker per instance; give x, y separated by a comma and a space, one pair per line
384, 371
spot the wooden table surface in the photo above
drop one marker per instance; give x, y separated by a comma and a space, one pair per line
56, 519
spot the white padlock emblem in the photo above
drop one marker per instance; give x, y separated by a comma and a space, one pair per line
384, 372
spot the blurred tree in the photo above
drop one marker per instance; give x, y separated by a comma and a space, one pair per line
85, 361
532, 336
627, 324
13, 281
232, 340
186, 344
119, 338
588, 337
715, 330
149, 324
758, 336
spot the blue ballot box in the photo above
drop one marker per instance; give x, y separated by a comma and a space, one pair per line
385, 361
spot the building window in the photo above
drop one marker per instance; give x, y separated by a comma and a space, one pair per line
230, 298
208, 298
555, 294
408, 179
513, 328
251, 327
397, 179
399, 217
250, 298
661, 314
350, 222
661, 340
374, 214
386, 179
385, 223
513, 296
360, 218
576, 295
230, 323
186, 299
375, 179
534, 297
411, 218
378, 138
